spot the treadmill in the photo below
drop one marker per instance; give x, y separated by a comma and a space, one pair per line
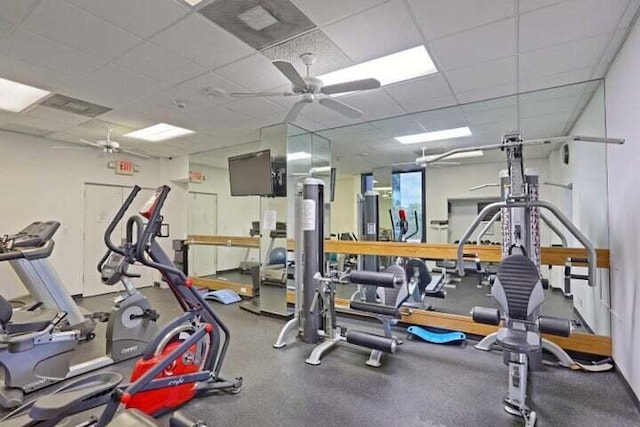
27, 253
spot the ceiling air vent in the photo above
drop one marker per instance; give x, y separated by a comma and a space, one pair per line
75, 106
259, 23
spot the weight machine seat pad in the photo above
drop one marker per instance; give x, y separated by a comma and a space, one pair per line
518, 341
517, 287
133, 418
24, 322
72, 396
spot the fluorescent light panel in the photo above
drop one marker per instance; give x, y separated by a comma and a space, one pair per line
159, 132
397, 67
434, 136
15, 96
382, 188
463, 155
192, 2
300, 155
321, 169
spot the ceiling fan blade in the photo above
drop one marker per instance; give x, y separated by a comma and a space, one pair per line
341, 108
133, 153
294, 112
352, 86
91, 143
290, 73
70, 147
255, 94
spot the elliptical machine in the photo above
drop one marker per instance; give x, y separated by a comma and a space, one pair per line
182, 361
37, 347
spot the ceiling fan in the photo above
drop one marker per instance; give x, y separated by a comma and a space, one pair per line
311, 89
106, 145
419, 162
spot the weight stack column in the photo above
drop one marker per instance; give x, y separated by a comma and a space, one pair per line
532, 177
370, 232
312, 225
505, 213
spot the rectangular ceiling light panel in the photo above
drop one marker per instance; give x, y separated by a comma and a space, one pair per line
258, 23
159, 132
434, 136
300, 155
464, 155
16, 97
397, 67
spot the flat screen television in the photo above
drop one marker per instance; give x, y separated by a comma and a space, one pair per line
251, 175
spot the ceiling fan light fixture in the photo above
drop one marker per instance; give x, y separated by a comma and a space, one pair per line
159, 132
463, 155
258, 18
16, 97
439, 135
396, 67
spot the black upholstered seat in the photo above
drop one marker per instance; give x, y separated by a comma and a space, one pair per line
20, 322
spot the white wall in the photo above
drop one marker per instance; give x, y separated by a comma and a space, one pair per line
235, 214
454, 182
622, 94
587, 172
344, 206
40, 183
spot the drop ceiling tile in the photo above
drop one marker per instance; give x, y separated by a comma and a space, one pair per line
25, 129
529, 5
256, 107
616, 40
221, 118
444, 118
326, 11
47, 53
379, 31
422, 94
560, 79
482, 94
129, 116
205, 91
558, 105
568, 91
160, 64
508, 101
141, 17
375, 104
441, 18
126, 83
256, 73
87, 91
55, 115
567, 21
404, 125
496, 115
487, 74
562, 58
5, 27
481, 44
629, 14
24, 72
37, 123
15, 11
326, 117
203, 42
68, 24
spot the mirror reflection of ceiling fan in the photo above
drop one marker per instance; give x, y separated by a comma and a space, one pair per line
106, 145
422, 162
310, 89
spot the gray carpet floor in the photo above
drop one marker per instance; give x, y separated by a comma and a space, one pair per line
421, 385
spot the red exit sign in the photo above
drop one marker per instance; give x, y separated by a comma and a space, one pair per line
196, 176
125, 167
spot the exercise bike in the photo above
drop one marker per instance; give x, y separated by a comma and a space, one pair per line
182, 361
37, 346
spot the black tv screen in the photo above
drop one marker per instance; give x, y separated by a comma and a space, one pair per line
250, 174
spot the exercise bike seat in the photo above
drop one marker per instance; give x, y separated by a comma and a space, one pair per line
133, 418
518, 341
29, 321
81, 395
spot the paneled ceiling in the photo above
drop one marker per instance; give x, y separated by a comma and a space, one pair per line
153, 61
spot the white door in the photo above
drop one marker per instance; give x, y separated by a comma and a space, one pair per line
203, 216
101, 203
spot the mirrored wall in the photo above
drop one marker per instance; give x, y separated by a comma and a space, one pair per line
451, 193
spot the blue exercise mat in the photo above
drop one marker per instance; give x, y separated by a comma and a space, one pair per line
436, 337
225, 296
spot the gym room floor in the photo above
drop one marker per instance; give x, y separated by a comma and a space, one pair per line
421, 385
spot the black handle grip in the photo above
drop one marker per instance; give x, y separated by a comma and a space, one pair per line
114, 223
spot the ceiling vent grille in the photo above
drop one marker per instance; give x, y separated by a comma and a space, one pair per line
258, 23
75, 106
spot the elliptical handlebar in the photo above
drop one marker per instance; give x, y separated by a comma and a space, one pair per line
114, 222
